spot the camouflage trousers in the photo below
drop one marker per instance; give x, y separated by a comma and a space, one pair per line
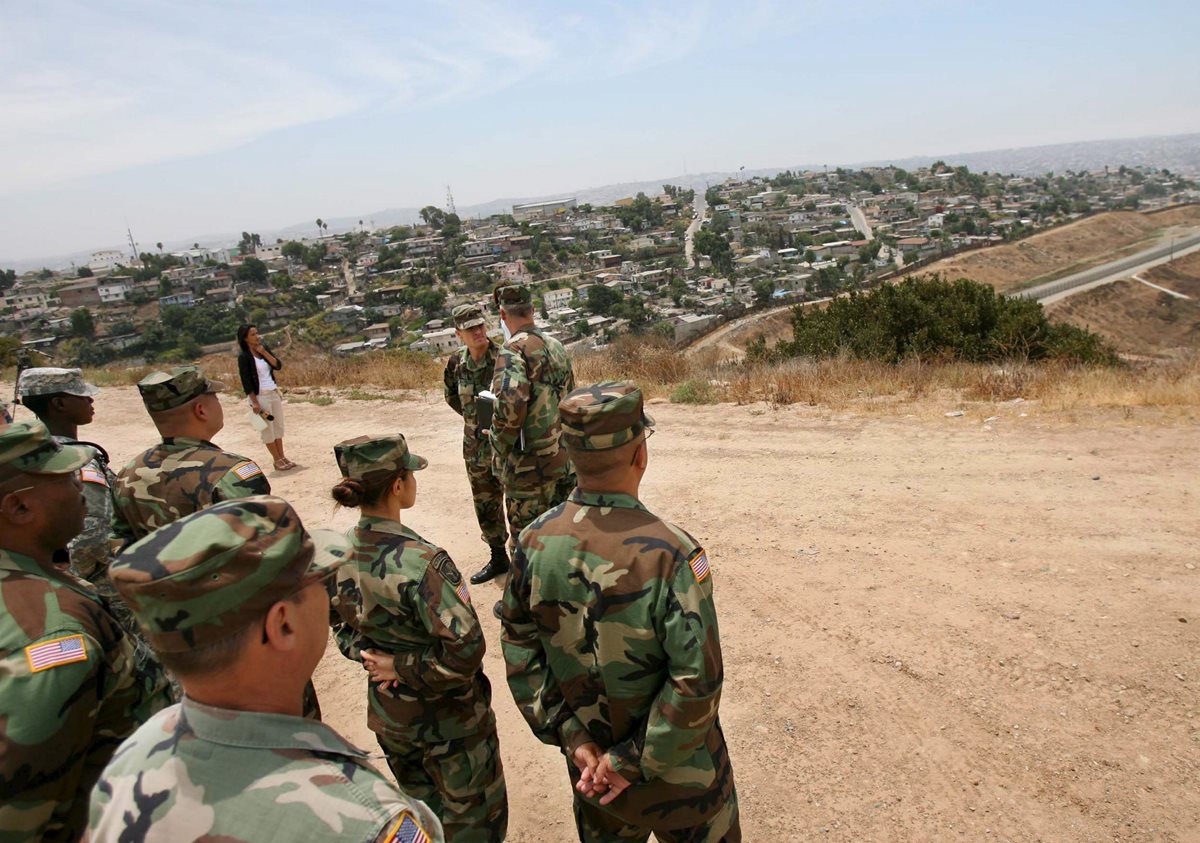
595, 825
462, 782
488, 496
523, 506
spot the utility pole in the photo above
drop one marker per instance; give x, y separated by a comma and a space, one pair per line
132, 245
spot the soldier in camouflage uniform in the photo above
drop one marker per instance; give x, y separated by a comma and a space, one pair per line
62, 400
402, 609
233, 598
469, 372
70, 687
610, 637
186, 471
533, 374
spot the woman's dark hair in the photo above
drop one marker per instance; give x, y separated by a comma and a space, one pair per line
241, 336
354, 493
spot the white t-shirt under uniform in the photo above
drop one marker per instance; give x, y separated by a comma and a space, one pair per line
265, 380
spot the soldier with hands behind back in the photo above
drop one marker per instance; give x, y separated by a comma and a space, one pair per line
234, 600
611, 642
401, 608
71, 688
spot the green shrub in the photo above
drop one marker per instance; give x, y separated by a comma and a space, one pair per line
927, 317
694, 391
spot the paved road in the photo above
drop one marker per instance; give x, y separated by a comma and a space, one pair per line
689, 246
1052, 291
859, 220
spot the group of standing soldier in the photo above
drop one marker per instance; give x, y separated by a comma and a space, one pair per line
609, 631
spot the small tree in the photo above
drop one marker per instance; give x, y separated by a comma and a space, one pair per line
82, 323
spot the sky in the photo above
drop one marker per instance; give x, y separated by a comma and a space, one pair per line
184, 119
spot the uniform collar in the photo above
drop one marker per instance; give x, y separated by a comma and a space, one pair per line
607, 499
258, 730
186, 440
386, 525
13, 561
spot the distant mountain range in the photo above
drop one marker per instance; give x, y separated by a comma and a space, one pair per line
1178, 153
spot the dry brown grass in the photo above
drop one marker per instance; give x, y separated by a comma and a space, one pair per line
1166, 390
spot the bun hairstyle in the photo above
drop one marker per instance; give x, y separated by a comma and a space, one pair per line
355, 493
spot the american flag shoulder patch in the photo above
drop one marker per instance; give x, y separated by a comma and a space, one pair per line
463, 594
247, 470
90, 475
698, 562
407, 830
60, 651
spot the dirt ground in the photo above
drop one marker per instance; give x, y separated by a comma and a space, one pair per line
932, 630
1070, 248
1138, 319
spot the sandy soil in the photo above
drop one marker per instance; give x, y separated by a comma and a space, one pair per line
932, 629
1071, 248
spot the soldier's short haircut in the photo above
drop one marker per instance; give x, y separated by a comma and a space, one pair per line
218, 656
600, 463
520, 311
39, 405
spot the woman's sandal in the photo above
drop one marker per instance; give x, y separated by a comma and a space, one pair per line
284, 464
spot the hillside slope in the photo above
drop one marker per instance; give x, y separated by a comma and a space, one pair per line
1138, 319
1067, 249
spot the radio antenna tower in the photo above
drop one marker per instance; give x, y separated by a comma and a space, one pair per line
450, 202
132, 245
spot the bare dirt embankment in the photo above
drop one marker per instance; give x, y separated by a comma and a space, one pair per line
933, 628
1138, 319
1070, 248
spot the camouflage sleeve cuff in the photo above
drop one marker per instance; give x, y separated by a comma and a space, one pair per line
625, 760
572, 735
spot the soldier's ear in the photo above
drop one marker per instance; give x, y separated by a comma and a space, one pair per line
13, 507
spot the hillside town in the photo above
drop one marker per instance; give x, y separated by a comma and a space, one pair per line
674, 265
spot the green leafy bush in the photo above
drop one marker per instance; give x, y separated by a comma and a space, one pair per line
928, 317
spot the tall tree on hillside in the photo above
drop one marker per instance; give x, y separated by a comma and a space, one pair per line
159, 245
320, 225
433, 216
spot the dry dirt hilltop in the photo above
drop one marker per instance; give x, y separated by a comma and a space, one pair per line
933, 628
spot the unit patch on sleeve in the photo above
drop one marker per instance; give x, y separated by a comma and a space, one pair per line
698, 562
60, 651
406, 830
445, 566
247, 470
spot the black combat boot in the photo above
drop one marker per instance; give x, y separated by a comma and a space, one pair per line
496, 566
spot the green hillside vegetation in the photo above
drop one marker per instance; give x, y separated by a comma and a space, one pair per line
930, 318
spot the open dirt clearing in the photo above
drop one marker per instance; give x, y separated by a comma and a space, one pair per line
1138, 319
932, 629
1070, 248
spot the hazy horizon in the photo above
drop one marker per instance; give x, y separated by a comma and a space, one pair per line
180, 120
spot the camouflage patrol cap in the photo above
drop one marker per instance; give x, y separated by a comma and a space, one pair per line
368, 458
28, 448
205, 577
46, 380
467, 316
167, 390
512, 294
602, 416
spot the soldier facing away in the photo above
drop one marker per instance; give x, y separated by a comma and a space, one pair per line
186, 471
532, 375
611, 642
233, 599
402, 609
468, 373
70, 686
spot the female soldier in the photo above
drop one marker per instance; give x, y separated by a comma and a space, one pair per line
402, 609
